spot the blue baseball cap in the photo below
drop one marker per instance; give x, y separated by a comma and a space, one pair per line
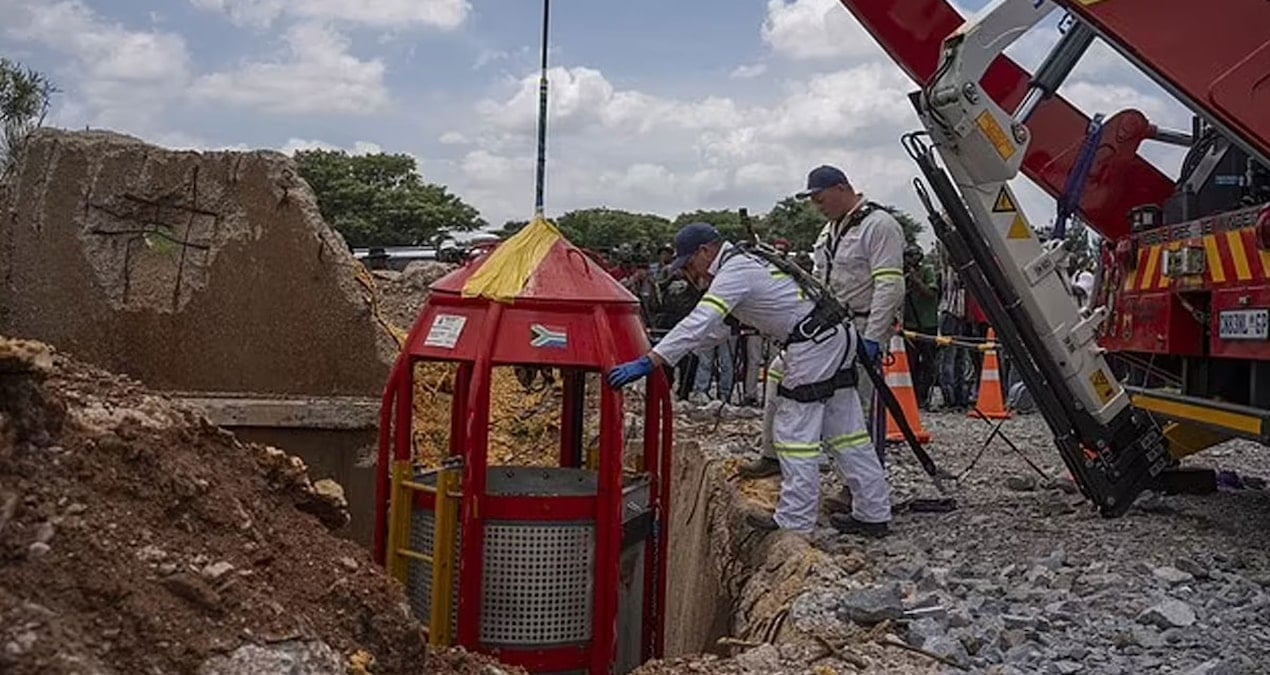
822, 177
690, 239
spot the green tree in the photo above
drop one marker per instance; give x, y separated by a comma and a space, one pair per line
728, 223
381, 200
911, 226
797, 220
610, 229
511, 227
24, 101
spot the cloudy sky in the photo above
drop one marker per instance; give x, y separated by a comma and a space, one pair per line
658, 106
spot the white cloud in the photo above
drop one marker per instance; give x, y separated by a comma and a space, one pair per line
359, 147
574, 99
245, 12
488, 56
815, 29
582, 98
631, 149
440, 14
318, 76
118, 76
453, 138
748, 72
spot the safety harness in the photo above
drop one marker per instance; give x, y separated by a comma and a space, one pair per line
853, 219
821, 323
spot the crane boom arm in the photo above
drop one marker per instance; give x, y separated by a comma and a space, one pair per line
1111, 449
911, 33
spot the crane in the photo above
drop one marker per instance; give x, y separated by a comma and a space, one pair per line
1186, 258
1111, 449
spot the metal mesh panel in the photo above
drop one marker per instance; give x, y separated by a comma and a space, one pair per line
419, 573
538, 583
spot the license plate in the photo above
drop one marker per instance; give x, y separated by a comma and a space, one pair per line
1244, 324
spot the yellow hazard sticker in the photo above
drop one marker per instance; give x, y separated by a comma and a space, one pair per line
1004, 203
996, 135
1102, 386
1018, 229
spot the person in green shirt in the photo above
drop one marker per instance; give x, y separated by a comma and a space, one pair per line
921, 315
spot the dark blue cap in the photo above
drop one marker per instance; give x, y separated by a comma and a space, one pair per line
690, 239
822, 178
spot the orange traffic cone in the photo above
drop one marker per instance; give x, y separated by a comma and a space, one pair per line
900, 380
991, 397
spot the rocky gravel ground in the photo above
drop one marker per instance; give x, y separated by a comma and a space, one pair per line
1024, 576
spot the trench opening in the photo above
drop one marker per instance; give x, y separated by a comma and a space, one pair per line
730, 584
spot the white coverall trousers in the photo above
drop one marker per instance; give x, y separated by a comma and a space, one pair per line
802, 431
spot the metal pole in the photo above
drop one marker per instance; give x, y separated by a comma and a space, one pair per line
542, 113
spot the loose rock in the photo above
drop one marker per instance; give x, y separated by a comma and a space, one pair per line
1172, 575
1169, 614
1025, 483
217, 570
873, 605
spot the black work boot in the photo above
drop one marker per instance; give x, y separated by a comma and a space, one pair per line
839, 503
761, 521
760, 468
846, 524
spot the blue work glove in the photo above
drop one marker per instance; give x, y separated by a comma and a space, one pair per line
871, 348
630, 371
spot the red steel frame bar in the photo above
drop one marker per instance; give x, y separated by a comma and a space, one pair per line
663, 516
608, 521
476, 417
383, 460
652, 464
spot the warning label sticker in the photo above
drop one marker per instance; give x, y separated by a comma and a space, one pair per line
1004, 203
1018, 229
996, 135
445, 331
1102, 386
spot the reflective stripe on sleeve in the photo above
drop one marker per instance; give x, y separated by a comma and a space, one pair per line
716, 303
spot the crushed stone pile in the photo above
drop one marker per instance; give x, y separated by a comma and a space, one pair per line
135, 537
1023, 577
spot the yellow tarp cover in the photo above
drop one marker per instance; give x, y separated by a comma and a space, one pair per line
508, 268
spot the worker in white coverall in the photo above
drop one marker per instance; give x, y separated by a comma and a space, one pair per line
817, 405
859, 256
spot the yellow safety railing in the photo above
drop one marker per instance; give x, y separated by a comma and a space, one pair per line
444, 541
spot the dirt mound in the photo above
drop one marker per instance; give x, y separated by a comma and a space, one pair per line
136, 537
401, 294
459, 661
162, 264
